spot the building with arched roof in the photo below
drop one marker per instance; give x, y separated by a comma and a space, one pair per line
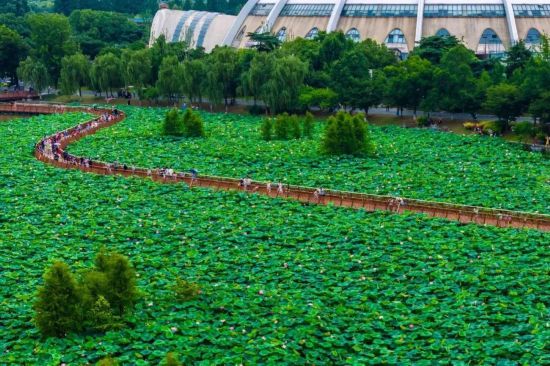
488, 27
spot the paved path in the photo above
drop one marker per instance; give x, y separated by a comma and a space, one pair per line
368, 202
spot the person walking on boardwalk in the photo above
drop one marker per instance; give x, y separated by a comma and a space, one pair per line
268, 187
280, 188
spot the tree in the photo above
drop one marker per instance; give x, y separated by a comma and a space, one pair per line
121, 291
34, 73
170, 74
504, 101
51, 40
74, 73
107, 361
281, 127
17, 7
517, 57
193, 124
257, 75
264, 42
12, 50
434, 47
136, 66
97, 29
286, 79
267, 129
308, 125
173, 124
540, 108
171, 360
57, 308
356, 77
224, 66
194, 83
106, 73
65, 6
324, 98
409, 83
454, 83
348, 135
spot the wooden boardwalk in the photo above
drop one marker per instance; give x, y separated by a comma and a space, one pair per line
368, 202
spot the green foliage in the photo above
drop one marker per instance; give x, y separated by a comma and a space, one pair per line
524, 128
264, 42
173, 124
75, 73
433, 48
324, 98
34, 73
504, 101
12, 51
308, 125
347, 135
192, 123
107, 361
295, 128
58, 305
107, 73
423, 121
286, 127
266, 129
185, 291
171, 360
166, 224
188, 125
51, 40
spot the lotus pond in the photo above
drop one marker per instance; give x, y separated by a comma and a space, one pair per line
283, 283
415, 163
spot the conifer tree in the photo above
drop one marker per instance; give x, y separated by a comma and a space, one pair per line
281, 127
294, 127
267, 129
347, 135
192, 124
173, 124
58, 309
308, 125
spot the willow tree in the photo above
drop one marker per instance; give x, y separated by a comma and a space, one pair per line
106, 73
282, 89
75, 73
33, 72
136, 66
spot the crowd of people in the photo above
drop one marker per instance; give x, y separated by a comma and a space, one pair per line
51, 147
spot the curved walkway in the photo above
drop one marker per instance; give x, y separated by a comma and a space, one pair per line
51, 150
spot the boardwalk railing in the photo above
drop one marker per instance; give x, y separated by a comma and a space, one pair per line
368, 202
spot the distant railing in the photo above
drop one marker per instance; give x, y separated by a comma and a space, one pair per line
368, 202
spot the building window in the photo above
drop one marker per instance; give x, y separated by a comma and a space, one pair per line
379, 10
464, 10
281, 34
533, 37
262, 9
312, 34
396, 36
307, 10
353, 34
531, 10
490, 44
443, 33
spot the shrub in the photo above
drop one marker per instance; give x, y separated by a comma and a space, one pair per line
423, 121
469, 125
308, 125
121, 289
294, 127
267, 129
185, 291
173, 124
346, 134
192, 122
488, 126
58, 307
101, 316
281, 127
524, 129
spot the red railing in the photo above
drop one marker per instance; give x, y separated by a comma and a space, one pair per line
368, 202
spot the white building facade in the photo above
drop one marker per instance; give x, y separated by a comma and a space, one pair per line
488, 27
